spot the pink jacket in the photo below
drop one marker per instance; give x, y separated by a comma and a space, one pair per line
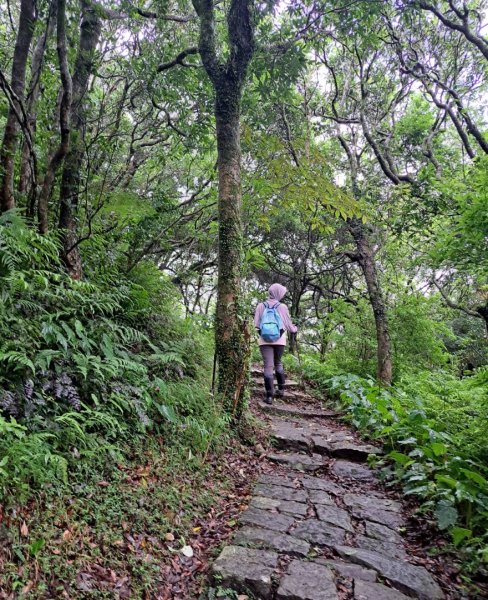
276, 292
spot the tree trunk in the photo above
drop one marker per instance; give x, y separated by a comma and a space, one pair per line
90, 30
25, 175
229, 341
21, 54
64, 114
365, 257
231, 336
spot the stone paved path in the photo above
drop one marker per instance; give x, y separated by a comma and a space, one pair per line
318, 526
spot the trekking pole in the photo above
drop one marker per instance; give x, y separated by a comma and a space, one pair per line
302, 380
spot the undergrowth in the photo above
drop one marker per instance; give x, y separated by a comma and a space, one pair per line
107, 425
87, 366
433, 429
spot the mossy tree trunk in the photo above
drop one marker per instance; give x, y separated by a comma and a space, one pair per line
228, 79
365, 258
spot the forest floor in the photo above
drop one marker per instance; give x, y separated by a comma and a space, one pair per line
153, 530
146, 530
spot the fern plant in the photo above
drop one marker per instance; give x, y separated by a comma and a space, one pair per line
85, 364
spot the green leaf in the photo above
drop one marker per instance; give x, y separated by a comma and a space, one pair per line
446, 514
36, 546
459, 534
438, 448
399, 457
168, 412
449, 481
474, 476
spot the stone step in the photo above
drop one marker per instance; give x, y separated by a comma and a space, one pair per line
310, 505
288, 410
410, 579
243, 569
300, 462
307, 581
354, 471
311, 437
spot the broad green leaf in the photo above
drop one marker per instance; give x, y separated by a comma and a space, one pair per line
459, 534
446, 514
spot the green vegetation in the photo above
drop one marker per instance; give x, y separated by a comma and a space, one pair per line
161, 164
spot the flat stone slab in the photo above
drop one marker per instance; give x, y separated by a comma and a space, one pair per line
321, 444
279, 492
300, 462
369, 501
264, 503
245, 569
320, 497
349, 570
338, 517
296, 509
316, 483
266, 538
381, 532
385, 517
293, 411
389, 549
307, 581
290, 383
318, 532
287, 436
366, 590
276, 480
344, 468
267, 519
414, 581
334, 435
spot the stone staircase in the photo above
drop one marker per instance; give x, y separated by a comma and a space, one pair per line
318, 525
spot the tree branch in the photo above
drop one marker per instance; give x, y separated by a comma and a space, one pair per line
178, 60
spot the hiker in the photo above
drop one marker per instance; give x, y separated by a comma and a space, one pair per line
272, 321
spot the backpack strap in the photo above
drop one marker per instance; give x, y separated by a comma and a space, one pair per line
266, 305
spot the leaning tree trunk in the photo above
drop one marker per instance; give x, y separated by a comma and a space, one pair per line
90, 29
365, 258
21, 54
231, 337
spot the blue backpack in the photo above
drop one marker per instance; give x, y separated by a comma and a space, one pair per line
271, 323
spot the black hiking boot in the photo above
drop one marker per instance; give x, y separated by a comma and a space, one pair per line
269, 387
280, 392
